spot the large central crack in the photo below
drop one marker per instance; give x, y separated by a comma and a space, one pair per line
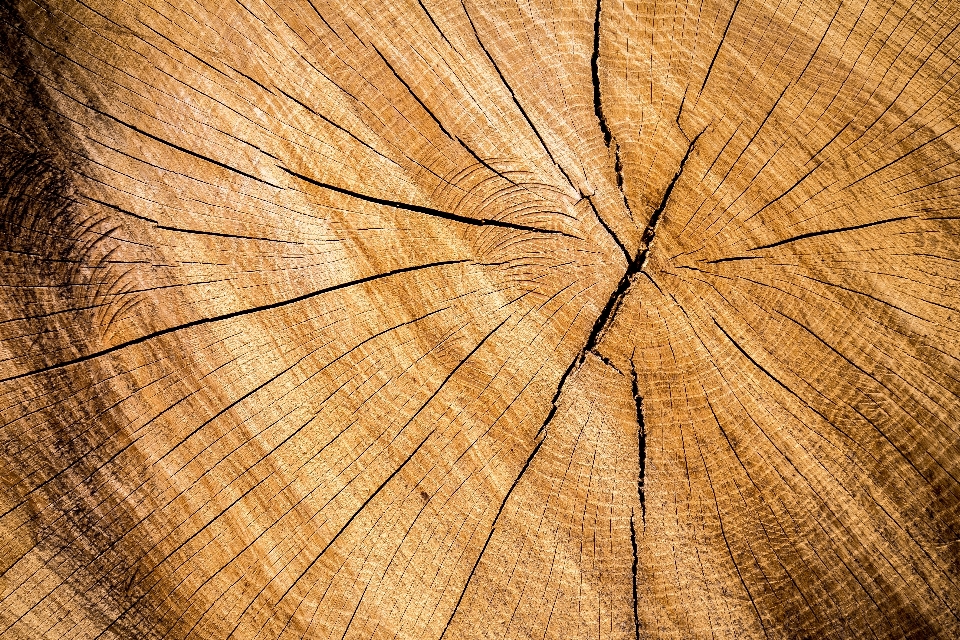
634, 267
609, 312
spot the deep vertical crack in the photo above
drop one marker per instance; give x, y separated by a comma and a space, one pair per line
618, 169
641, 451
606, 316
595, 70
633, 544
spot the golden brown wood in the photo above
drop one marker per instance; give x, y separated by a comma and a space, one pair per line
480, 319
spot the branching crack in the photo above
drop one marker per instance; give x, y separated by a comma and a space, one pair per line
636, 265
609, 311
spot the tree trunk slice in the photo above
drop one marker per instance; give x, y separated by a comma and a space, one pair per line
443, 319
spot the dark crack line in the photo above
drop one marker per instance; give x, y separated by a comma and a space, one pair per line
618, 169
414, 94
436, 213
641, 450
814, 234
224, 235
227, 316
493, 529
651, 229
683, 101
506, 84
719, 46
636, 265
333, 124
183, 149
434, 23
595, 71
616, 298
606, 227
633, 544
734, 259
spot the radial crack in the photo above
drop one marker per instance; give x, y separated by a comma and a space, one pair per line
429, 211
651, 229
595, 70
493, 528
618, 169
228, 316
633, 544
641, 450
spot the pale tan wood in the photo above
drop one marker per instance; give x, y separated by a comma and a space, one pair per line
515, 319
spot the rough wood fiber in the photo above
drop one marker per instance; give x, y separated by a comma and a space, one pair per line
480, 319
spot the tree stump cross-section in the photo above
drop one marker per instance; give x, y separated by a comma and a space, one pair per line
479, 319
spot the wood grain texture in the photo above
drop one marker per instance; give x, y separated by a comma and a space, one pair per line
479, 319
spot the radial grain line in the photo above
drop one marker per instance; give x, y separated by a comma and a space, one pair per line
183, 149
523, 112
118, 209
726, 541
130, 607
347, 524
493, 528
227, 316
719, 46
241, 72
350, 621
422, 407
814, 234
453, 217
249, 393
770, 375
779, 197
455, 369
333, 124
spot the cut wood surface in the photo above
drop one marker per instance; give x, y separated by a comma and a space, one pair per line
420, 319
